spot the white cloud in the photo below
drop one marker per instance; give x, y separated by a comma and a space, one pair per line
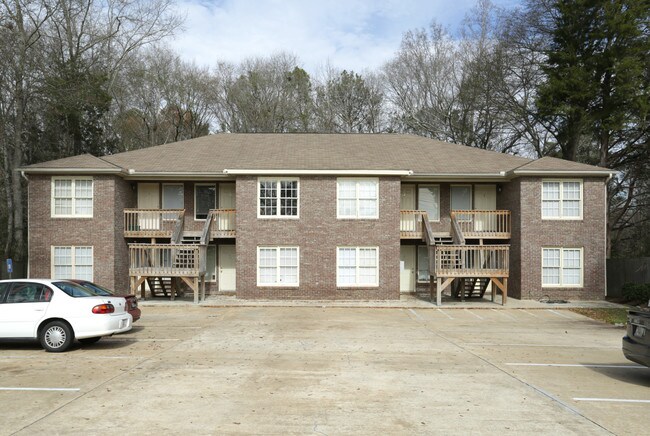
353, 34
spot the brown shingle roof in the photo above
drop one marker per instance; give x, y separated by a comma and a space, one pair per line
212, 154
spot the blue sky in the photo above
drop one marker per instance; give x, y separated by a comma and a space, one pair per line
346, 34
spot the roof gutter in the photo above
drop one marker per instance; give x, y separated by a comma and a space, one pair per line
70, 170
267, 172
603, 173
170, 175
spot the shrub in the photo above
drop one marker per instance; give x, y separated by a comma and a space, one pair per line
636, 291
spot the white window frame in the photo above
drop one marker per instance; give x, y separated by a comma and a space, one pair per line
277, 180
357, 268
561, 217
278, 283
216, 188
357, 199
561, 267
428, 185
73, 249
73, 198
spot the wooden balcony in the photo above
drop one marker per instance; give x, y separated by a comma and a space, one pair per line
223, 224
472, 260
166, 260
483, 224
410, 223
152, 223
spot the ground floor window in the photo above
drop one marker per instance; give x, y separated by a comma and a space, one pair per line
562, 267
357, 266
72, 263
277, 266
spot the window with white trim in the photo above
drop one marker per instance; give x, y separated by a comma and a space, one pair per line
173, 197
357, 266
562, 267
277, 266
429, 201
278, 198
72, 263
72, 197
562, 199
357, 198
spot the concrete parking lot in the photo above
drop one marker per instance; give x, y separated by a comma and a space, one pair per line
326, 371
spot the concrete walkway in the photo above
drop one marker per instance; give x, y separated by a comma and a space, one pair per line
405, 302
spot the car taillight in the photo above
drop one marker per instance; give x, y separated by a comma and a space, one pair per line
104, 308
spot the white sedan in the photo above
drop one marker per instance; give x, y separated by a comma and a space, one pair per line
57, 311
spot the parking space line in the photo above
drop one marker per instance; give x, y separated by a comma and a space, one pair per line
476, 315
505, 314
39, 389
612, 400
415, 314
558, 314
579, 365
85, 356
494, 344
529, 313
445, 313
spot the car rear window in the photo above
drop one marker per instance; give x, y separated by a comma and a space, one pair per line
75, 290
97, 289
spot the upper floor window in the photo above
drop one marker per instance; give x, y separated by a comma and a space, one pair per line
205, 198
72, 197
562, 267
72, 263
358, 198
562, 199
278, 198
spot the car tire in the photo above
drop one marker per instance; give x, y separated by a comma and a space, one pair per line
88, 341
56, 336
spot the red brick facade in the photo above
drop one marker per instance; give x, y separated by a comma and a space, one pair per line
318, 233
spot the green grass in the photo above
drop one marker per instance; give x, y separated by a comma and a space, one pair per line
610, 316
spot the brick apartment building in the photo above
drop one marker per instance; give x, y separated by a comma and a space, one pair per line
320, 216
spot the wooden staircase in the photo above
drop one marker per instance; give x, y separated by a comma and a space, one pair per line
473, 287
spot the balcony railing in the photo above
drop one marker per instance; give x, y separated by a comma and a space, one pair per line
483, 224
166, 260
151, 223
472, 260
410, 224
223, 225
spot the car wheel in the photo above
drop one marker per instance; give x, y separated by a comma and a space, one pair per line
56, 336
88, 341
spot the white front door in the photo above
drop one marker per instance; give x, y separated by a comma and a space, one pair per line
485, 198
407, 268
408, 222
227, 262
226, 201
148, 198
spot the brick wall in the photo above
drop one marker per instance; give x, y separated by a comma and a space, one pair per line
103, 232
510, 199
318, 232
588, 233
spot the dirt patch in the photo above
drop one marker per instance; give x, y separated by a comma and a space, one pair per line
617, 316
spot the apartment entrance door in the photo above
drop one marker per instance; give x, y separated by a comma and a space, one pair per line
148, 198
407, 268
485, 198
227, 274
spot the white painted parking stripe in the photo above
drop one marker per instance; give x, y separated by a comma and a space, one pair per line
84, 356
529, 313
445, 313
476, 315
558, 314
595, 365
612, 400
415, 314
494, 344
38, 389
505, 314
